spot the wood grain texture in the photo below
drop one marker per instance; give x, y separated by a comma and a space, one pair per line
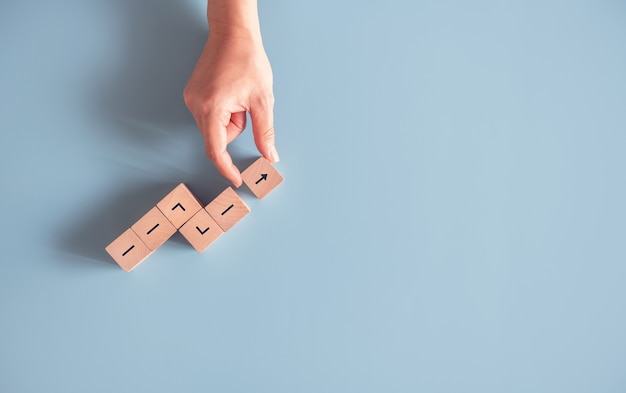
154, 228
201, 230
179, 205
227, 209
261, 177
128, 250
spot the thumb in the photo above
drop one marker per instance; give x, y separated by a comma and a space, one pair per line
262, 116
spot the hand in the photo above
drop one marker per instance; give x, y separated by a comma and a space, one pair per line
233, 76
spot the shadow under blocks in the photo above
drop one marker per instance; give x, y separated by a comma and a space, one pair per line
181, 211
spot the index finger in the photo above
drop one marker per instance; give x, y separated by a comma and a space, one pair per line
215, 142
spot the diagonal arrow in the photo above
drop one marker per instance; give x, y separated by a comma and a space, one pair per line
263, 177
201, 231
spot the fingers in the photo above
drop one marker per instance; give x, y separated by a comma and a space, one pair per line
236, 126
215, 140
222, 127
262, 116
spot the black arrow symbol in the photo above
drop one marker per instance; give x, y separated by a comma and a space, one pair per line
178, 205
263, 177
201, 231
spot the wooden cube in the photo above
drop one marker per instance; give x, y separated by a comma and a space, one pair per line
128, 250
227, 209
261, 177
201, 230
154, 228
179, 205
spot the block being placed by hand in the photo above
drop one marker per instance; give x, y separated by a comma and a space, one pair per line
128, 250
154, 228
227, 209
201, 230
179, 205
261, 177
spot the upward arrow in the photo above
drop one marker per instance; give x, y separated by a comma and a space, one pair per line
263, 177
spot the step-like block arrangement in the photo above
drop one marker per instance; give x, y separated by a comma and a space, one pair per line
181, 210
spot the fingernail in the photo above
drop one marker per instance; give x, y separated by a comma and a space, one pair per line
274, 155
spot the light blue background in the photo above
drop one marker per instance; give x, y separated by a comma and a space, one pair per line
452, 217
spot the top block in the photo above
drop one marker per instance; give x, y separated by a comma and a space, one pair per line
179, 205
261, 177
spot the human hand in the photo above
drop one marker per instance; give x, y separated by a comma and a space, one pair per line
232, 76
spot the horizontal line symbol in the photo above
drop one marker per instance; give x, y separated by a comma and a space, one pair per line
226, 211
127, 251
153, 228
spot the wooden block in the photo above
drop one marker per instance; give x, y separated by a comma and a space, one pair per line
154, 228
128, 250
179, 205
261, 177
227, 209
201, 230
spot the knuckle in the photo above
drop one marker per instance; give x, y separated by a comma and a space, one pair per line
266, 100
213, 108
196, 103
268, 134
213, 153
187, 97
207, 107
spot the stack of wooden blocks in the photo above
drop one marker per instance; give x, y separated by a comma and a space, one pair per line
181, 211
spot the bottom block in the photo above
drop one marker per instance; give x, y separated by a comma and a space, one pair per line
201, 230
128, 250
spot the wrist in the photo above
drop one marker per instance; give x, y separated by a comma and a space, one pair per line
234, 19
235, 33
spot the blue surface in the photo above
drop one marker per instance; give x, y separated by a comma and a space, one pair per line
452, 217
